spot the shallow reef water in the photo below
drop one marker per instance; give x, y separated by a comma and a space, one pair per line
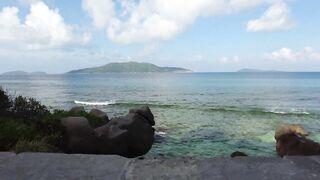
197, 114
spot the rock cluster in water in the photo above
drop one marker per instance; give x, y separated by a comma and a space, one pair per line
133, 135
292, 140
129, 136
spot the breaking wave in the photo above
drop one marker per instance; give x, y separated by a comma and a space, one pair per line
259, 111
104, 103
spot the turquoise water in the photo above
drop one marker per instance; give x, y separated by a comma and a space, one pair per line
197, 114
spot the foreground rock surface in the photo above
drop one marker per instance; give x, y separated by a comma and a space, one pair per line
42, 166
129, 136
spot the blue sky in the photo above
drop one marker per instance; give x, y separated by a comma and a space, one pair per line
203, 35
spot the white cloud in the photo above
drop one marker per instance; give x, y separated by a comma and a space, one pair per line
29, 1
229, 60
277, 17
243, 4
287, 54
102, 11
42, 28
151, 20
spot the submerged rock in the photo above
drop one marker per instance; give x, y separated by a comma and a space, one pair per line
129, 136
159, 134
77, 109
291, 140
99, 114
238, 154
158, 138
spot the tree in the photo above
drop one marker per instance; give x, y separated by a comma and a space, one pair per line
5, 102
28, 109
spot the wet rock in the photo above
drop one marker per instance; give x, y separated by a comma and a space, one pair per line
99, 114
238, 154
128, 136
293, 145
290, 129
291, 140
146, 112
77, 109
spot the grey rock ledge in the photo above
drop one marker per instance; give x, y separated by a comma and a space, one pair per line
47, 166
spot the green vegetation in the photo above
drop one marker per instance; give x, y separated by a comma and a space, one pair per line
28, 126
32, 146
129, 67
5, 101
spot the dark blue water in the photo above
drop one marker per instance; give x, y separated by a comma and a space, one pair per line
198, 114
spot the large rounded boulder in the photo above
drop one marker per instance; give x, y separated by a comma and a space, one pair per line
80, 136
129, 136
291, 140
99, 114
290, 129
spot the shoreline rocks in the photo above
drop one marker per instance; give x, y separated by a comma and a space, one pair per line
99, 114
77, 109
291, 141
129, 136
80, 136
290, 129
238, 154
133, 135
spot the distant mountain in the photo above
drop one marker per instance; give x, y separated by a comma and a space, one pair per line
22, 73
129, 67
256, 70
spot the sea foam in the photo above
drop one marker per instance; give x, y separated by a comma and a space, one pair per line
104, 103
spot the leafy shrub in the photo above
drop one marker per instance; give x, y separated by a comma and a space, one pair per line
28, 109
28, 126
55, 141
5, 102
24, 145
52, 131
93, 121
11, 131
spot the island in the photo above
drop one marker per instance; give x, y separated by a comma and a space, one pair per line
248, 70
130, 67
22, 73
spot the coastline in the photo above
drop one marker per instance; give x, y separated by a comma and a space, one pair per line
200, 113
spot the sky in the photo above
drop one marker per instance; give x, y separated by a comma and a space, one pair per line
57, 36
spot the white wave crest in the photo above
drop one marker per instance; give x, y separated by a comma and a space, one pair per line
104, 103
160, 133
291, 111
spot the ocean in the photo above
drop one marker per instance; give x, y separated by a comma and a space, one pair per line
196, 114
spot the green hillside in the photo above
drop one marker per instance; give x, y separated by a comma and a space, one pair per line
129, 67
